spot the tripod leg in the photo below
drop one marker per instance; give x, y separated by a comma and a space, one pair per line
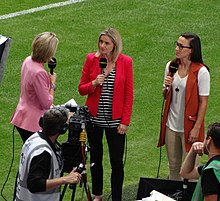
73, 187
86, 186
63, 192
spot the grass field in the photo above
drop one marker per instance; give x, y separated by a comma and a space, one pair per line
149, 29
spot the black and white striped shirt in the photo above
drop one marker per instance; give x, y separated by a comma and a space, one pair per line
104, 114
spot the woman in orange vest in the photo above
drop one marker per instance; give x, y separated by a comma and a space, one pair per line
186, 93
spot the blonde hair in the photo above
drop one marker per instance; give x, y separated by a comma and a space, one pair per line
44, 47
115, 37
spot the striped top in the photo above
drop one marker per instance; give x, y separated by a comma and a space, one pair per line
104, 114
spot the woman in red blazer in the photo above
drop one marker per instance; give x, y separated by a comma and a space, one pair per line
110, 96
37, 86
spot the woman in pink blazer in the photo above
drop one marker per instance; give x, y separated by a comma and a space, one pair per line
107, 80
37, 86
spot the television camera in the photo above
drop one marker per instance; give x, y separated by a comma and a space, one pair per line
72, 148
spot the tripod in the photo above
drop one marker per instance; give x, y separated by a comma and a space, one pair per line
81, 169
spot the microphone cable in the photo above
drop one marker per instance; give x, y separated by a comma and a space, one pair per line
13, 148
161, 118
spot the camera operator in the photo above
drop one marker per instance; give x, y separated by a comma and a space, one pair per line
41, 162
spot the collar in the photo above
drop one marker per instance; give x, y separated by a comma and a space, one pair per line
217, 157
47, 139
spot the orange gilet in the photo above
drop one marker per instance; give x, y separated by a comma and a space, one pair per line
191, 107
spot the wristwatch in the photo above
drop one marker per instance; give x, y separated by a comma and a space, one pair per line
53, 86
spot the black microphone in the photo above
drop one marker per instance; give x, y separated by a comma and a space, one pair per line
52, 64
173, 67
185, 186
102, 64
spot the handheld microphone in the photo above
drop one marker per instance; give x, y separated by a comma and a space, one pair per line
185, 186
52, 64
102, 64
173, 67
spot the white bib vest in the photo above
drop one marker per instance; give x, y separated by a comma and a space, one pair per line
34, 146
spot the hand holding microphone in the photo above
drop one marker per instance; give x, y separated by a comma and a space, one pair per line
98, 81
103, 63
53, 81
100, 77
52, 64
168, 82
173, 67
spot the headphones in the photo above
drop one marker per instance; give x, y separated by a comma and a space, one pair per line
54, 121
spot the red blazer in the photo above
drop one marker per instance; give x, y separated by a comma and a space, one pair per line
123, 93
191, 108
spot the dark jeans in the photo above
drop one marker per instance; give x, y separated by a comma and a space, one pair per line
24, 133
116, 143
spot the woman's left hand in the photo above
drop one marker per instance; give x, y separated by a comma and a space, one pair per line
193, 135
122, 129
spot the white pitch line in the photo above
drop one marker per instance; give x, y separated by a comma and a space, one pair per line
33, 10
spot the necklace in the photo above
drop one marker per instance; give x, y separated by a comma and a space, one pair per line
179, 86
177, 89
181, 75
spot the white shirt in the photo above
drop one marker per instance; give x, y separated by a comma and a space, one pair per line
175, 119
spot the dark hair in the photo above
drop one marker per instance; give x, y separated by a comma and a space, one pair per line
195, 44
53, 120
214, 132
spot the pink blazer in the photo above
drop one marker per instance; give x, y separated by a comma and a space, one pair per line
35, 98
123, 94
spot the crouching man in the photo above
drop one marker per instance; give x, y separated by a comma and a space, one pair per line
208, 175
41, 163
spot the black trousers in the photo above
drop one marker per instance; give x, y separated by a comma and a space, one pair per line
24, 133
116, 144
